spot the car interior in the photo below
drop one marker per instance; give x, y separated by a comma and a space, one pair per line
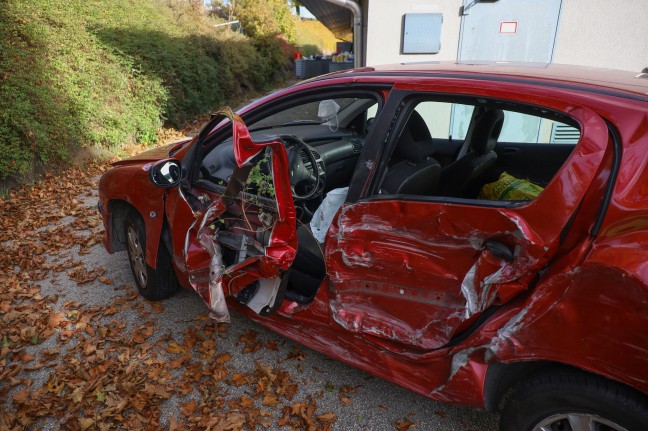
493, 137
446, 149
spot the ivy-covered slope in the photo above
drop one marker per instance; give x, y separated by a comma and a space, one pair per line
77, 73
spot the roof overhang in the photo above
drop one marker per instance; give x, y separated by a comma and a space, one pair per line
336, 18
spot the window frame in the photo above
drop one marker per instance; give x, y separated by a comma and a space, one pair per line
408, 103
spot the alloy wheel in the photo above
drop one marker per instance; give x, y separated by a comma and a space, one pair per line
136, 255
577, 422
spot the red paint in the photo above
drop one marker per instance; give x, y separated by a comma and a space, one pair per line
392, 302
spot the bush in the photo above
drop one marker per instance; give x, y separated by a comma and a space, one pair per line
77, 73
268, 18
313, 38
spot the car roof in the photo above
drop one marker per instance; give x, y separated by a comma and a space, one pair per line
635, 83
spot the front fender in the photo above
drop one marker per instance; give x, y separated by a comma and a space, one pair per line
131, 184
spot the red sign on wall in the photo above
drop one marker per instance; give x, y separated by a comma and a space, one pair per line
508, 27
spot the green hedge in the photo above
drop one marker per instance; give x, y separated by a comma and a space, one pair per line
102, 73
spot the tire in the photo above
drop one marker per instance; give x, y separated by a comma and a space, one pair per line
153, 283
574, 401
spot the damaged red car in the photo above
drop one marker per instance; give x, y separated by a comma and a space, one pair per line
475, 233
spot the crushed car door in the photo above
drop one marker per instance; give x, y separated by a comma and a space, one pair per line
227, 242
413, 272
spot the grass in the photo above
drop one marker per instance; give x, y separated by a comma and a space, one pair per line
90, 73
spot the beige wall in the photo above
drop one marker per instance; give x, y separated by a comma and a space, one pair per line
600, 33
603, 33
384, 28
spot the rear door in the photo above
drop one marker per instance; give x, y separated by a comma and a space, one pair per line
415, 271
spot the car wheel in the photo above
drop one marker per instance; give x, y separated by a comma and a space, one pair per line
153, 284
574, 401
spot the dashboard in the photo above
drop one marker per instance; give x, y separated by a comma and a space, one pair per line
336, 151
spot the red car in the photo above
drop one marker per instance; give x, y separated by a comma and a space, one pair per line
475, 233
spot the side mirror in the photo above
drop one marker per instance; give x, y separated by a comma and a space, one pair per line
166, 173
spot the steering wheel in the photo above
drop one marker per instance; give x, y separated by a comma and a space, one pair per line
301, 178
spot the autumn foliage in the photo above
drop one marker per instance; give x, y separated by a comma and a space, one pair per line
100, 74
80, 365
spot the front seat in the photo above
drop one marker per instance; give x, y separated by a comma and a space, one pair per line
461, 177
412, 170
308, 269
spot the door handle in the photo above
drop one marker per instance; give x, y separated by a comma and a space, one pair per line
509, 151
499, 250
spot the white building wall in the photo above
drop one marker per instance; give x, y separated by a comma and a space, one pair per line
599, 33
603, 33
384, 30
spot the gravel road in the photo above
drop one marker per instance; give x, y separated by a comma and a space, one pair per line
80, 349
358, 401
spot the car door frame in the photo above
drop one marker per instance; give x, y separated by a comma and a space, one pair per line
367, 178
183, 206
195, 221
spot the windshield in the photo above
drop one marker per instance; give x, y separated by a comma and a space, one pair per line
305, 113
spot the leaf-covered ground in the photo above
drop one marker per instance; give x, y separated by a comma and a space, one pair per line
81, 350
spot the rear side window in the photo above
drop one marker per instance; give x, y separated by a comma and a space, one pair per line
490, 150
523, 128
519, 127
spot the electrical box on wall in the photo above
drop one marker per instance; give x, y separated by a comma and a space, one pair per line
421, 33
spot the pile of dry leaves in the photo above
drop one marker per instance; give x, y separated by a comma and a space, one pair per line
73, 365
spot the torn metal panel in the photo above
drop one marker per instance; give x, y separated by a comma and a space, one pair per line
210, 289
446, 276
238, 222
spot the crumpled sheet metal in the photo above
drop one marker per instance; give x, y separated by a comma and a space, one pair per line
441, 277
211, 290
280, 251
434, 249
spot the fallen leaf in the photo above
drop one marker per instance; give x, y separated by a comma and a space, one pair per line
404, 424
327, 417
270, 400
175, 348
85, 423
77, 395
26, 357
224, 357
296, 354
189, 408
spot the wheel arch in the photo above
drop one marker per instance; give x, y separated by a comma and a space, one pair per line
502, 377
119, 210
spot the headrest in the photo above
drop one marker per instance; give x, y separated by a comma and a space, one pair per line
486, 131
415, 143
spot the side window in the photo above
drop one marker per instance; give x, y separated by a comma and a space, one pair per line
523, 128
372, 111
478, 149
444, 119
518, 127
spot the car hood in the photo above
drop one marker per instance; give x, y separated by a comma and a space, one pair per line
154, 154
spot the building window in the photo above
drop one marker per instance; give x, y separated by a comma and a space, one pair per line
421, 33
